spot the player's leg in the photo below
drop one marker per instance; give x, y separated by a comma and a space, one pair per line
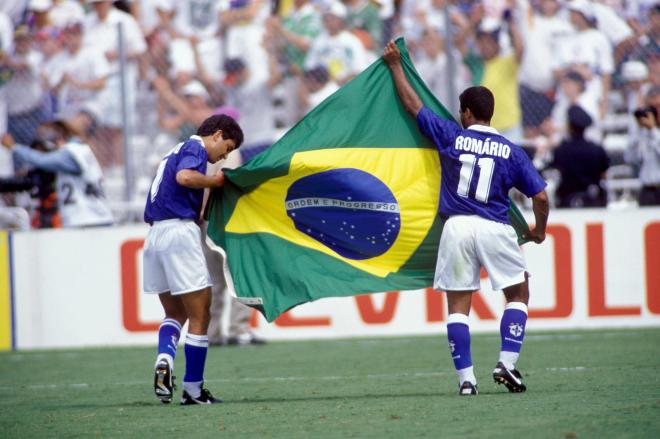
155, 281
499, 251
457, 272
190, 281
196, 346
512, 332
169, 333
458, 336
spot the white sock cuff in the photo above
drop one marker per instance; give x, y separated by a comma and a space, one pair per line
516, 305
457, 318
201, 341
167, 357
171, 322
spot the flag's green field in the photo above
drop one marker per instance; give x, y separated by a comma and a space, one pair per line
587, 384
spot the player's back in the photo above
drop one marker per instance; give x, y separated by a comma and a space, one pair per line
169, 200
479, 167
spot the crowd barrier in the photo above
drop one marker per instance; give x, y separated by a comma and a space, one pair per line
73, 288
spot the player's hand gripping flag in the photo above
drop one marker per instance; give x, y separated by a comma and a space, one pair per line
345, 203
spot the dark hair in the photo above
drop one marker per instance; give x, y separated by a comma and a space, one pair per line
480, 101
230, 128
63, 130
319, 74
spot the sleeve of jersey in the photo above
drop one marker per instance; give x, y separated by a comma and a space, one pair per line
442, 132
192, 156
529, 180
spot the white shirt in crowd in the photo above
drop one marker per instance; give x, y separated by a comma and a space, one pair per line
197, 17
254, 102
542, 36
435, 73
13, 9
589, 105
590, 48
321, 95
85, 65
343, 55
24, 90
80, 197
103, 37
66, 12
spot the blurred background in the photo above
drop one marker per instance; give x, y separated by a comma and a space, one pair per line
576, 83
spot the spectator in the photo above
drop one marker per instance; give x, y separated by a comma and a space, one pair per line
6, 48
13, 9
544, 33
48, 42
25, 96
495, 69
315, 88
42, 187
636, 86
362, 15
78, 175
39, 15
612, 24
294, 33
101, 33
80, 75
644, 151
341, 52
572, 91
582, 165
589, 53
199, 18
290, 38
190, 108
252, 97
432, 63
245, 27
64, 12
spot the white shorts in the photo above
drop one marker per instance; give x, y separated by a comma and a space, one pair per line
173, 259
470, 242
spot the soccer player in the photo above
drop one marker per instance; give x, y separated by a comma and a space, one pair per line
479, 167
174, 264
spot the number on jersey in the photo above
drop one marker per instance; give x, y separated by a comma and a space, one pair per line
486, 168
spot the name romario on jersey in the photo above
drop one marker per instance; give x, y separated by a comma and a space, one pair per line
167, 199
479, 167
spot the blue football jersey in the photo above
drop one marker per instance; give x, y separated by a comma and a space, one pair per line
167, 199
479, 167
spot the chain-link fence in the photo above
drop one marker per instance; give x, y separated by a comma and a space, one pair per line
132, 83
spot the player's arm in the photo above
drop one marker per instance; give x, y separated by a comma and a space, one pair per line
541, 208
196, 180
411, 101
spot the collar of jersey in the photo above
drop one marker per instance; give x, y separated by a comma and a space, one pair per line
483, 129
198, 138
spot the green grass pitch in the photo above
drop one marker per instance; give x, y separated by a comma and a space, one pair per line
581, 384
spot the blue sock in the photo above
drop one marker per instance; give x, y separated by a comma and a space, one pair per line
196, 347
512, 330
458, 334
168, 339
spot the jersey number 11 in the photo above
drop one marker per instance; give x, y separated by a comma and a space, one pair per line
486, 167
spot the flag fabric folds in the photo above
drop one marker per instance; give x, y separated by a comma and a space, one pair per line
345, 203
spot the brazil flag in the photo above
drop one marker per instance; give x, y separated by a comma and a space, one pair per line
345, 203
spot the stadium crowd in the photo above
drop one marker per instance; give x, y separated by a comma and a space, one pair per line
588, 73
